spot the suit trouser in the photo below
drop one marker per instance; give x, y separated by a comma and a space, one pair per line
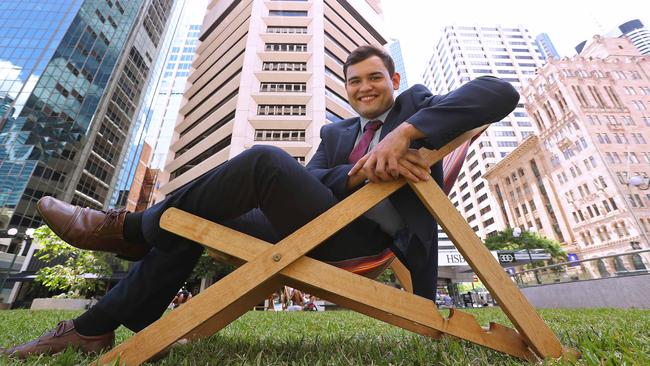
263, 192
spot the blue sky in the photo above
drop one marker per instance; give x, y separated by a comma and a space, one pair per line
417, 23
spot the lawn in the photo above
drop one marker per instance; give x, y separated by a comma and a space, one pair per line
604, 336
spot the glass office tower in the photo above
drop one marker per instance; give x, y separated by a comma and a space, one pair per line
71, 77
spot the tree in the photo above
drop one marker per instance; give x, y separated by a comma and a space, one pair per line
505, 240
209, 268
80, 274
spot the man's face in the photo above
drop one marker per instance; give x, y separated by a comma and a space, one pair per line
370, 87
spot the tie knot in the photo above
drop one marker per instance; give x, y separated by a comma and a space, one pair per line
373, 125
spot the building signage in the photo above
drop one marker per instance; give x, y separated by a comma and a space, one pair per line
454, 258
506, 257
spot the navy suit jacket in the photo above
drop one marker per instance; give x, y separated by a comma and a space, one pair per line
441, 118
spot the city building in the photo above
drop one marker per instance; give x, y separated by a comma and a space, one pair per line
634, 30
546, 46
72, 77
73, 73
464, 53
167, 97
266, 72
581, 180
396, 53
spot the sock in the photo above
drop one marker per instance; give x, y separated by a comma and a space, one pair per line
94, 322
132, 230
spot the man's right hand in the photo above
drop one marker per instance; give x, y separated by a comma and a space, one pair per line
411, 166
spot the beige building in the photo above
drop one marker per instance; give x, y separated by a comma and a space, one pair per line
571, 182
266, 72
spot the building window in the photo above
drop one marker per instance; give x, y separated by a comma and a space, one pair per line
286, 30
281, 110
285, 47
279, 135
284, 66
288, 13
283, 87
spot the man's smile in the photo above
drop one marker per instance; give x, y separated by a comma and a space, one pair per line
367, 98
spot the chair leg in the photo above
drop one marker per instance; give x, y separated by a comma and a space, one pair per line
529, 324
403, 275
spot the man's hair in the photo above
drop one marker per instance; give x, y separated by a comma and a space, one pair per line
365, 52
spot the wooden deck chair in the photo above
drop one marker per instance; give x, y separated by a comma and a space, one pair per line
265, 267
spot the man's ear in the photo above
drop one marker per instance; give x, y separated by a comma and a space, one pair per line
395, 78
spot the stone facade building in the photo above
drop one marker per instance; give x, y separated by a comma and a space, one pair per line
571, 182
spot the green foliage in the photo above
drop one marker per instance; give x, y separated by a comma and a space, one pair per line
81, 272
387, 277
603, 336
505, 240
209, 268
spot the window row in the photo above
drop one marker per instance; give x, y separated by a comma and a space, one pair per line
279, 135
283, 87
281, 110
285, 47
286, 30
284, 66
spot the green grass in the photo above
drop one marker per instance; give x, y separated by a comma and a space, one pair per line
604, 336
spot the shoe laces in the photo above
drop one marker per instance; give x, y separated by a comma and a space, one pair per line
60, 329
112, 218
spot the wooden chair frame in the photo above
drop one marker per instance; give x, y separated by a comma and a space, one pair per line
265, 267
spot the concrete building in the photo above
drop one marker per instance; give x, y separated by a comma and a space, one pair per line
572, 181
266, 72
634, 30
71, 82
464, 53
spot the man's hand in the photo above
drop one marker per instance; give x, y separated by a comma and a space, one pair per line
391, 159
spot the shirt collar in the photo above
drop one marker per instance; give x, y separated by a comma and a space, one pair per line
364, 121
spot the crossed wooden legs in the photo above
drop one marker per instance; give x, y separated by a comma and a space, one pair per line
269, 266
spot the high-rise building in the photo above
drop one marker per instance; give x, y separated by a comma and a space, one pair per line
464, 53
126, 192
396, 53
178, 56
545, 46
266, 72
71, 79
638, 34
634, 30
572, 182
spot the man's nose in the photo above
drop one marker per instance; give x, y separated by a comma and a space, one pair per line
365, 85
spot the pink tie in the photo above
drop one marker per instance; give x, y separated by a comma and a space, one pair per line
362, 146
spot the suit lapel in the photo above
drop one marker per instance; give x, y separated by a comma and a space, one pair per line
346, 140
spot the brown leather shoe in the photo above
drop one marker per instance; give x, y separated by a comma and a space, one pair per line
60, 338
90, 229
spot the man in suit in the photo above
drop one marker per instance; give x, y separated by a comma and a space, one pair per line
264, 192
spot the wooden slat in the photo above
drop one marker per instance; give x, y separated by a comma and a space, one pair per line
538, 335
403, 275
355, 292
